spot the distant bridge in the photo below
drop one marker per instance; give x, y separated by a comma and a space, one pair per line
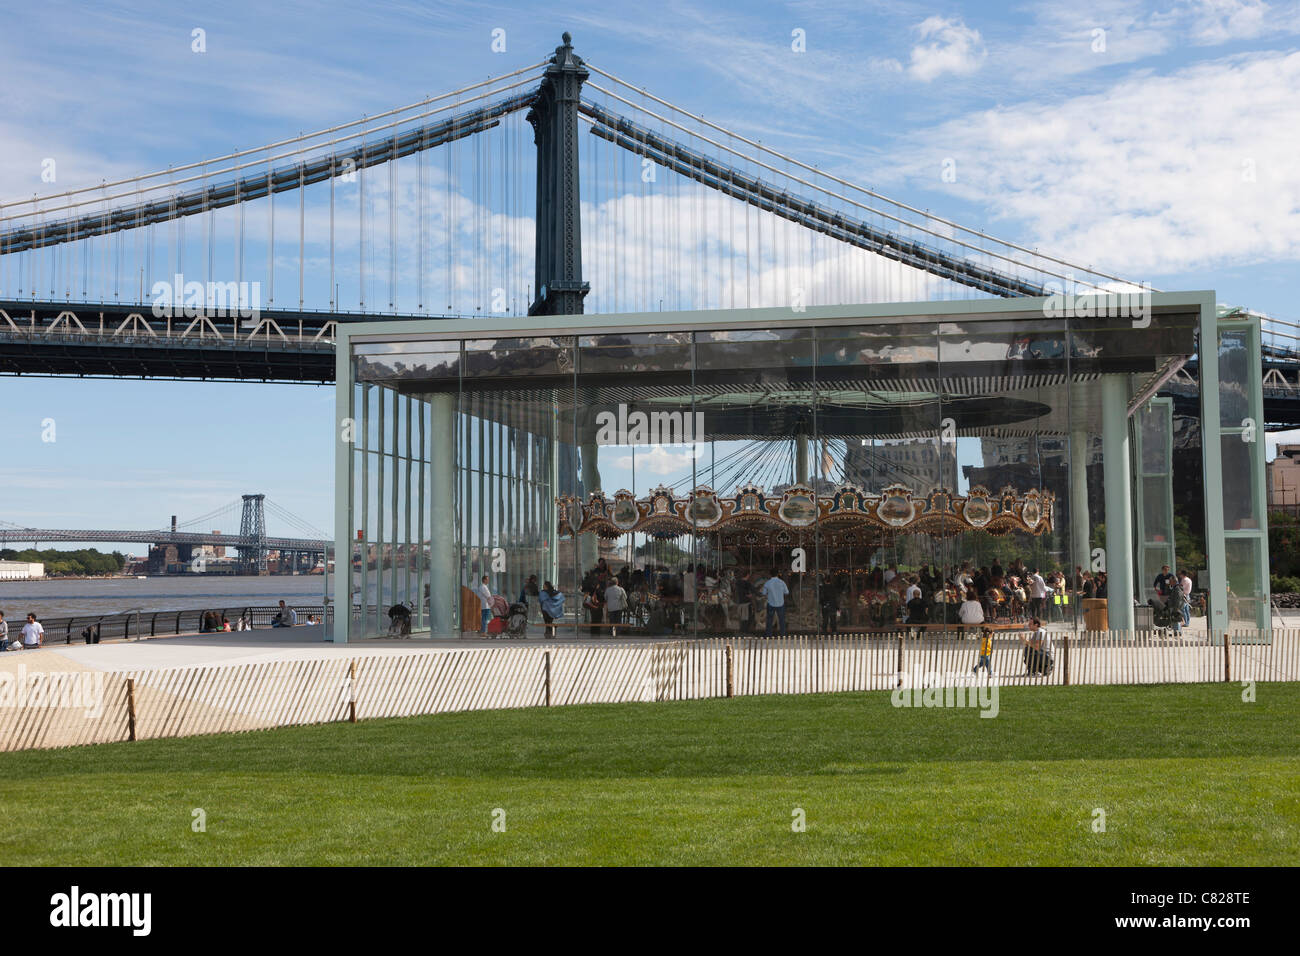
12, 534
251, 543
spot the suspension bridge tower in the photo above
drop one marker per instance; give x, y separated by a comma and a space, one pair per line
560, 288
252, 528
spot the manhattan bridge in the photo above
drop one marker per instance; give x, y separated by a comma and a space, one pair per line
557, 188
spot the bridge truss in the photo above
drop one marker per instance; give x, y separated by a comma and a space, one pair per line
483, 200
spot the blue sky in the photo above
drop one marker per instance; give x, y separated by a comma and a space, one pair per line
1163, 148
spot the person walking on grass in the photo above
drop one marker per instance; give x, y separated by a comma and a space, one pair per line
986, 652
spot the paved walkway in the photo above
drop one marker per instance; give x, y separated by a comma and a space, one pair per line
308, 643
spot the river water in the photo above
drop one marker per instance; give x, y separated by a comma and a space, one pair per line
58, 597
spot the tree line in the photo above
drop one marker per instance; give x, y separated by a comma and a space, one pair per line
84, 561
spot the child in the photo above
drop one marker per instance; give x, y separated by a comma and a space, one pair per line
986, 651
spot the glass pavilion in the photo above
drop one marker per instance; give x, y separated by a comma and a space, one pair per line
907, 434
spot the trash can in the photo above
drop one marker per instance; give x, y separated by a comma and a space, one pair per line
1095, 615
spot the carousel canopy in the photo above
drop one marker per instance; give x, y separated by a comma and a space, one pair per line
848, 515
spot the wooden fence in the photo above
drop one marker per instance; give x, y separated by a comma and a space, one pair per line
85, 707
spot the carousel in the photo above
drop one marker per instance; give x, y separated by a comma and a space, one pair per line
744, 535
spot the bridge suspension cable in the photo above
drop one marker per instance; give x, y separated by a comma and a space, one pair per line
843, 182
300, 138
279, 180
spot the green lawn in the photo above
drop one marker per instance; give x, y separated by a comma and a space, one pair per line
1186, 774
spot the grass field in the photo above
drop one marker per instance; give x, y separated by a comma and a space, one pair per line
1186, 774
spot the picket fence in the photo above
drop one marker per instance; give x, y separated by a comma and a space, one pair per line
60, 709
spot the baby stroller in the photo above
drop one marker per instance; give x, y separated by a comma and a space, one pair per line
1163, 615
517, 620
500, 608
399, 621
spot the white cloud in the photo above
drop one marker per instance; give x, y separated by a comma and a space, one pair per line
954, 48
660, 461
1157, 174
1218, 21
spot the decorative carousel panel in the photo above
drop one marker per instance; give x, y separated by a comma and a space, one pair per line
624, 513
799, 513
977, 510
706, 510
798, 507
896, 508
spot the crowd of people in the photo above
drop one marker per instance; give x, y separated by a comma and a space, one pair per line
714, 599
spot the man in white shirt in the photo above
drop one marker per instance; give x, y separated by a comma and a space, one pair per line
4, 632
774, 590
33, 634
615, 603
485, 596
913, 591
1037, 592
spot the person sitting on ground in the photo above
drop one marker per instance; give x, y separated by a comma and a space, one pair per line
287, 617
1038, 650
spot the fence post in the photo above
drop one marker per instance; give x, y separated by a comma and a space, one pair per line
1065, 659
900, 661
546, 662
352, 692
1227, 656
130, 708
731, 673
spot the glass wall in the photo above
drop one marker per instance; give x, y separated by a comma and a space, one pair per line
1240, 434
865, 464
1153, 499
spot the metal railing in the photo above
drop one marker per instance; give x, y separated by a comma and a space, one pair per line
132, 625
